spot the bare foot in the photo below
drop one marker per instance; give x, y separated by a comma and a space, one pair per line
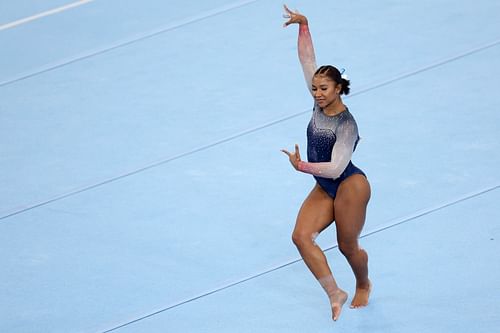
361, 296
337, 300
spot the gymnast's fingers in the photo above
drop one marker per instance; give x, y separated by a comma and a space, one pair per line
287, 10
286, 152
291, 16
297, 152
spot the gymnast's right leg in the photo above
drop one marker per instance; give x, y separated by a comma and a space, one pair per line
316, 214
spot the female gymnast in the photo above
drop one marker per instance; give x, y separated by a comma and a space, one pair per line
342, 191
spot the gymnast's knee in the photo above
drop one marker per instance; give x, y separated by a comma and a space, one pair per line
348, 248
303, 239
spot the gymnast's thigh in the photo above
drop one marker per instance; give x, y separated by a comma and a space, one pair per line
316, 213
350, 207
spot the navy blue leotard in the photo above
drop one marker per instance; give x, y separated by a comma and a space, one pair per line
323, 133
331, 140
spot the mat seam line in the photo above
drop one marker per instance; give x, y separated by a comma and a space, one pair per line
389, 225
128, 41
245, 132
149, 166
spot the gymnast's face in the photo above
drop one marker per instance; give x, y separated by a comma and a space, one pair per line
325, 91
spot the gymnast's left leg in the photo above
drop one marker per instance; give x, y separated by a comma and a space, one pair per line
350, 212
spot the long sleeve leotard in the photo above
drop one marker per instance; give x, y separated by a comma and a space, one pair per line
331, 140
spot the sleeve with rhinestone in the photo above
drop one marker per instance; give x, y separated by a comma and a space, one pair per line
306, 54
347, 135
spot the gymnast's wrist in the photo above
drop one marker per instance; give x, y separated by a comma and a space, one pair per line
301, 166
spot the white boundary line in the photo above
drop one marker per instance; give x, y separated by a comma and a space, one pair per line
129, 40
43, 14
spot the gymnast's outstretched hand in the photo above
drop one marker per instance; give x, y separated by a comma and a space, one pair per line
294, 157
294, 17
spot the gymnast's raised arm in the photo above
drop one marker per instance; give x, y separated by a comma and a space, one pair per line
304, 44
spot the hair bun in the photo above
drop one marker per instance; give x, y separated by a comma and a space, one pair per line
345, 86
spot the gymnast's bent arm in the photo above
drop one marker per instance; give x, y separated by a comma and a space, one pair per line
304, 45
347, 135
